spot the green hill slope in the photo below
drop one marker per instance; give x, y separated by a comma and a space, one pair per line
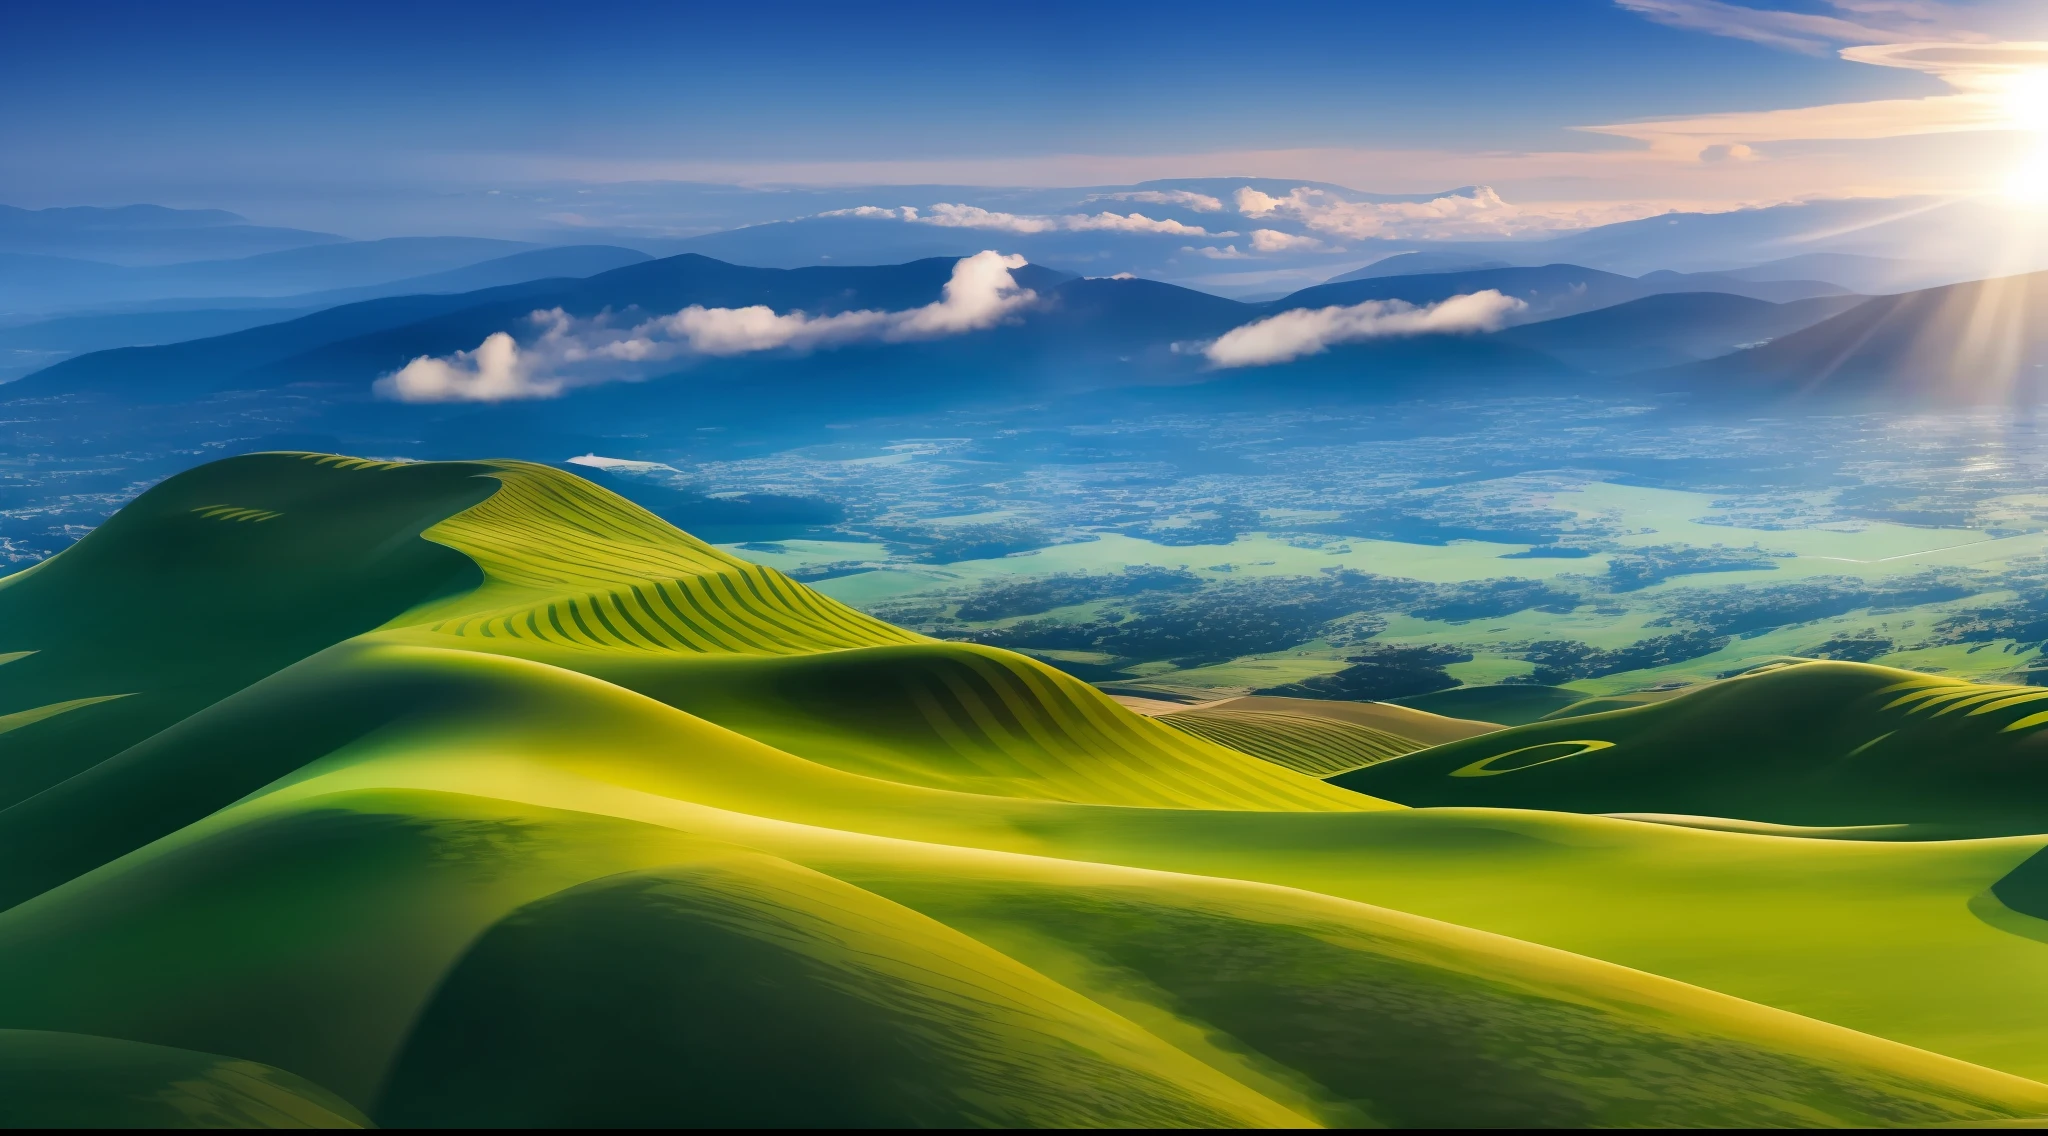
1421, 725
575, 820
1315, 745
1819, 744
203, 585
1507, 705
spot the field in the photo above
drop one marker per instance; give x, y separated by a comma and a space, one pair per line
1825, 561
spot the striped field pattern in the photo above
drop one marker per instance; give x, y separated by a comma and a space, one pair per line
1319, 747
592, 570
2015, 708
235, 513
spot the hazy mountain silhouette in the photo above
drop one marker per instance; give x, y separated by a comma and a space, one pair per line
144, 234
1983, 341
36, 284
1670, 329
27, 347
1083, 334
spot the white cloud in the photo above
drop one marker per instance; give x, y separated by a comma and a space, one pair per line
1475, 212
570, 352
1311, 331
980, 294
1227, 252
873, 211
1199, 202
1133, 223
497, 371
951, 216
1273, 240
596, 461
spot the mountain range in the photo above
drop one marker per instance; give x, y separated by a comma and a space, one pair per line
1117, 331
1959, 343
39, 342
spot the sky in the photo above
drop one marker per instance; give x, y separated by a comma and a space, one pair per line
327, 112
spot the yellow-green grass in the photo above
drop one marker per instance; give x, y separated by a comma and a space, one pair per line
1407, 721
1240, 676
334, 928
608, 827
1317, 746
1663, 899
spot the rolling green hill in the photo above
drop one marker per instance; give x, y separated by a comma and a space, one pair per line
1814, 744
469, 794
1510, 705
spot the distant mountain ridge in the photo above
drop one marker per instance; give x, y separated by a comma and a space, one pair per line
32, 283
144, 234
1983, 341
1550, 290
39, 344
1671, 328
1094, 332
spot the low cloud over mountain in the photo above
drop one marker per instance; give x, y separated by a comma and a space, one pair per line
578, 352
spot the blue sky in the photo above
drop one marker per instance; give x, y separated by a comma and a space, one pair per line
222, 103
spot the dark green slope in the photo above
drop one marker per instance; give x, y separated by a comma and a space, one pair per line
1819, 744
1512, 705
69, 1080
202, 586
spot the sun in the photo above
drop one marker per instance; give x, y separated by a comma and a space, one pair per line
2026, 107
2026, 100
2027, 184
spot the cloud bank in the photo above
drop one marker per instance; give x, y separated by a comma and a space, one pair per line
1473, 212
1311, 331
947, 215
1273, 240
1199, 202
571, 352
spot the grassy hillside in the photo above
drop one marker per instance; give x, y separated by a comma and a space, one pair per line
1819, 744
1313, 744
1510, 705
571, 819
